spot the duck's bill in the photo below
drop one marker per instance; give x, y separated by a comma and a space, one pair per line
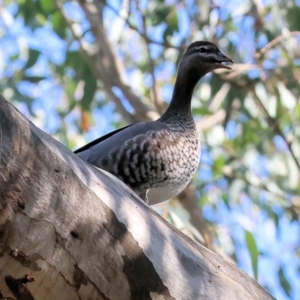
223, 61
222, 66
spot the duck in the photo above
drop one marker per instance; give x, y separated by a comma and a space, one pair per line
158, 159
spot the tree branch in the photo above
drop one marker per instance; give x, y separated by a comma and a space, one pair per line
106, 65
82, 230
144, 35
84, 47
109, 65
277, 40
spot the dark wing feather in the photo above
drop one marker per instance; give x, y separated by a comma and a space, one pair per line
100, 139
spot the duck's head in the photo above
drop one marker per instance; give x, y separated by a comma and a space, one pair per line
204, 57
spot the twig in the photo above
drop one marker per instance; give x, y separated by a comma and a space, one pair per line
240, 68
120, 107
219, 97
274, 42
241, 84
209, 121
142, 34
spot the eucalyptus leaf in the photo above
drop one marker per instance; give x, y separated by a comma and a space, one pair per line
253, 251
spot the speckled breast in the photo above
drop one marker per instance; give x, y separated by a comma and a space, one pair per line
180, 158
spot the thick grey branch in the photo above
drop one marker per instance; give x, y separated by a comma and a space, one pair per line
83, 231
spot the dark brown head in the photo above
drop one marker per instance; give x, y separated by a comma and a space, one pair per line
199, 59
204, 57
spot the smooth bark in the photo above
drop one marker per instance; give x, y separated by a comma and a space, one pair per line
71, 231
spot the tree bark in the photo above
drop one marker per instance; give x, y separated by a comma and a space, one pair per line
71, 231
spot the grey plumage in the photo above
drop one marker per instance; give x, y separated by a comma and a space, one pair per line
158, 159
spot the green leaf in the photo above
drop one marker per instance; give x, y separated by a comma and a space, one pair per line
159, 13
272, 215
89, 90
34, 78
252, 247
29, 11
297, 110
59, 25
226, 200
293, 18
172, 24
47, 6
284, 282
14, 57
218, 166
202, 111
32, 58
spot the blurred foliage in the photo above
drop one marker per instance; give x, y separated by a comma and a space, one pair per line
248, 180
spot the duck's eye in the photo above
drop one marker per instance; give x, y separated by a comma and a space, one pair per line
202, 50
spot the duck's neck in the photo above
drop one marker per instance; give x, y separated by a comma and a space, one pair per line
182, 95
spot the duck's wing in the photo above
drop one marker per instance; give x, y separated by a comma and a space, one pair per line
100, 139
131, 138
